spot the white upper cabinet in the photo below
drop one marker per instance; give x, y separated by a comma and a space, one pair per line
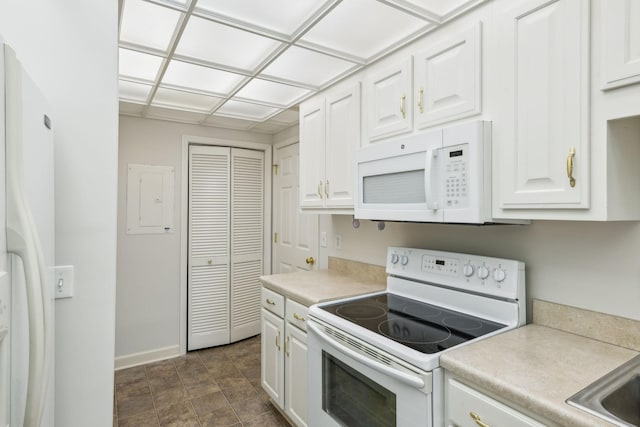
389, 101
342, 140
440, 83
448, 79
312, 127
329, 136
541, 117
620, 61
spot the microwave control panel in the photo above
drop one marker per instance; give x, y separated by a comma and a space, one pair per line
456, 176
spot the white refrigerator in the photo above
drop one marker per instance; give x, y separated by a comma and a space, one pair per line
27, 249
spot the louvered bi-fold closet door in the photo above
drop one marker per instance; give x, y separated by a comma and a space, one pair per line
247, 241
209, 245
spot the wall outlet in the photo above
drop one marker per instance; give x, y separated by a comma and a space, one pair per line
338, 241
323, 239
63, 283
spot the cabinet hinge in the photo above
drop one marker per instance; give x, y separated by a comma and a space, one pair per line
275, 237
275, 169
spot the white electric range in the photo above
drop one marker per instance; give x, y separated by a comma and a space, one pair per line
374, 360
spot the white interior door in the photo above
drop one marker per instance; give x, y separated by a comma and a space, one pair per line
209, 242
297, 233
247, 237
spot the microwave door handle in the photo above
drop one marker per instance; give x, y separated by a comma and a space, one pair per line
429, 179
411, 380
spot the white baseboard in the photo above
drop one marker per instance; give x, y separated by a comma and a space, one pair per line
135, 359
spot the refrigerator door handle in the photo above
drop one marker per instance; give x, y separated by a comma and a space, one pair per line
23, 241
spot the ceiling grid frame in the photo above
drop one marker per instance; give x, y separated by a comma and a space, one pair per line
424, 16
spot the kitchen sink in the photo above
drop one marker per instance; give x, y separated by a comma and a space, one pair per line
615, 397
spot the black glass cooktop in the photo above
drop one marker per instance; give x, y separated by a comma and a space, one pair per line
424, 327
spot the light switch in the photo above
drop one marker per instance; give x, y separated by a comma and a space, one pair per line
323, 239
63, 283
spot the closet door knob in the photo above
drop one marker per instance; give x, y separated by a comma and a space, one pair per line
310, 260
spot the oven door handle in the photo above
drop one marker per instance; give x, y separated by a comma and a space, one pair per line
411, 380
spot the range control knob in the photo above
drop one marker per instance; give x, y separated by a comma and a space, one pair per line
404, 260
483, 272
394, 258
468, 270
499, 275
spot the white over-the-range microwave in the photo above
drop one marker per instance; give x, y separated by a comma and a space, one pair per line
443, 175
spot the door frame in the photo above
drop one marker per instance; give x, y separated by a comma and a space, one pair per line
188, 140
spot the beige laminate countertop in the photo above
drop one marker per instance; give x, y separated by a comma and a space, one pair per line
311, 287
538, 368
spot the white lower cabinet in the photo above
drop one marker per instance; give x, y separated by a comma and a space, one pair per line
467, 407
284, 355
295, 375
272, 362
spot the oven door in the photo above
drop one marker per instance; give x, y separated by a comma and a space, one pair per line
347, 388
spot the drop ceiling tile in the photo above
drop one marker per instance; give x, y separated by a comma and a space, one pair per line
184, 100
148, 24
306, 66
270, 92
200, 78
230, 123
287, 117
136, 92
268, 127
175, 115
131, 109
138, 65
281, 16
221, 44
246, 110
376, 28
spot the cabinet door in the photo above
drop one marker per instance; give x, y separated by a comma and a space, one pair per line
272, 363
621, 43
448, 79
342, 140
389, 101
542, 121
312, 137
296, 375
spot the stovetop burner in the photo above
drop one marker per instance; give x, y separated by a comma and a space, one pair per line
361, 311
418, 325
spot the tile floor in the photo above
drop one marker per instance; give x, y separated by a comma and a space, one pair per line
219, 386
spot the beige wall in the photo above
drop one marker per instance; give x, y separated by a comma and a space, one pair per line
148, 279
584, 264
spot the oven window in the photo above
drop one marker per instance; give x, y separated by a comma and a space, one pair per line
353, 399
399, 187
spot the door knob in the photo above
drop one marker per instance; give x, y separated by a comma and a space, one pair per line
310, 260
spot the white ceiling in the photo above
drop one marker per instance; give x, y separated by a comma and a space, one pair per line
247, 64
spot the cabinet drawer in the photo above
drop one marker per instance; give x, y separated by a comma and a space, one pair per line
273, 302
465, 403
297, 314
